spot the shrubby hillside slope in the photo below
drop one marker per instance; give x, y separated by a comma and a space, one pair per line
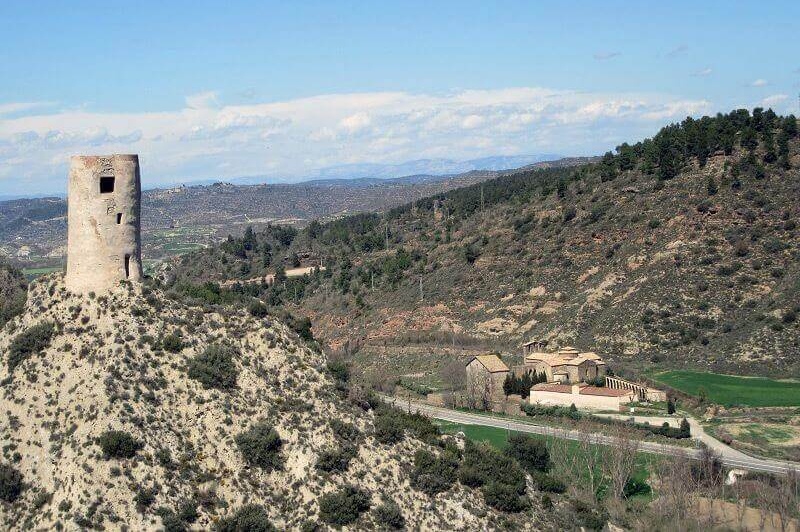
134, 411
681, 250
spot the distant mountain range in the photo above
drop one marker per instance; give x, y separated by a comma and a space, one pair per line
419, 167
180, 218
420, 170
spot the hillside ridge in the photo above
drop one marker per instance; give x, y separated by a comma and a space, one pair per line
678, 251
132, 409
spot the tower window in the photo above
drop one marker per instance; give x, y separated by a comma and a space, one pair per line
127, 266
106, 185
119, 218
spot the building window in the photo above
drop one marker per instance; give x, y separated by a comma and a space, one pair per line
106, 185
119, 218
127, 266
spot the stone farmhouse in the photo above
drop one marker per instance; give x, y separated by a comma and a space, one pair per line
566, 366
485, 377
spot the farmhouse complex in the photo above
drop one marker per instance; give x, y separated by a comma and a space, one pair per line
562, 378
567, 365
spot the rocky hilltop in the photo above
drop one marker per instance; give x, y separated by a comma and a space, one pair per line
133, 411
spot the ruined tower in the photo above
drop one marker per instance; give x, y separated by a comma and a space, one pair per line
103, 237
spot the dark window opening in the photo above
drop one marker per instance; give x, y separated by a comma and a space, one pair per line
119, 218
127, 266
106, 185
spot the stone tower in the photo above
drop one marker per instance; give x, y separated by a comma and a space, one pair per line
103, 238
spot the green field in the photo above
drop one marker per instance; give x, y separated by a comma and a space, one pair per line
499, 438
730, 390
496, 437
32, 273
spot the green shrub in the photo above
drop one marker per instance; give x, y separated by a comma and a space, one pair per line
10, 483
504, 497
570, 412
390, 516
261, 446
172, 343
548, 483
249, 518
171, 521
335, 459
339, 370
214, 367
591, 517
118, 444
144, 498
531, 453
432, 474
344, 506
302, 326
187, 511
345, 431
471, 253
28, 343
391, 424
258, 309
634, 487
501, 479
388, 429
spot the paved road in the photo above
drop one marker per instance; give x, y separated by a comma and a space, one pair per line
730, 457
698, 433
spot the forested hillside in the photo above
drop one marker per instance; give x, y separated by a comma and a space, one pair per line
680, 250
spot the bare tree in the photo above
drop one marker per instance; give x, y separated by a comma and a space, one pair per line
590, 457
620, 461
677, 498
378, 378
453, 374
578, 461
479, 390
785, 502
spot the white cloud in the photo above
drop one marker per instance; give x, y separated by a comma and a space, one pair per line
703, 73
293, 137
775, 99
202, 100
759, 83
20, 107
355, 122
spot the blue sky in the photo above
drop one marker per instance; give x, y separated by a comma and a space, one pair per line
219, 90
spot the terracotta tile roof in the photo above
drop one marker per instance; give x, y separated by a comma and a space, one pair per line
492, 363
567, 356
552, 359
607, 392
549, 387
584, 389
